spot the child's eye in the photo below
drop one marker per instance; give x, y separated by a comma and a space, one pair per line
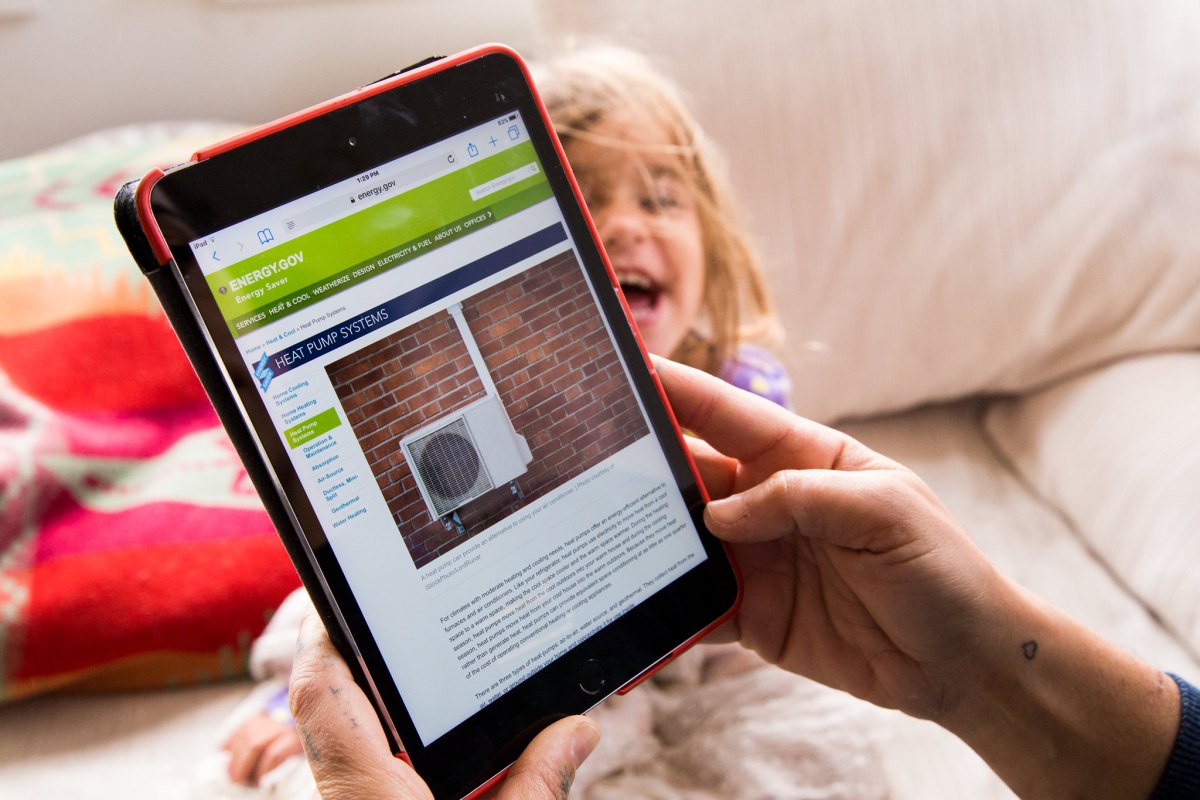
664, 194
660, 202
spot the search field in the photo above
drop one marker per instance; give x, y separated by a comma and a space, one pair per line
504, 181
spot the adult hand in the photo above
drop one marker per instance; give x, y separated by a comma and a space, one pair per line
349, 754
855, 575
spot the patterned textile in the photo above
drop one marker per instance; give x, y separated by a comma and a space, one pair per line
133, 549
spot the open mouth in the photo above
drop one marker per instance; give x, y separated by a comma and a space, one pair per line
640, 293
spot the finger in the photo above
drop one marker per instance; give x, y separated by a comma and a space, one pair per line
743, 425
342, 738
241, 765
853, 510
245, 748
718, 472
278, 751
546, 770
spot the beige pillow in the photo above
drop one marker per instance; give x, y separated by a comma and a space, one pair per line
955, 197
1117, 451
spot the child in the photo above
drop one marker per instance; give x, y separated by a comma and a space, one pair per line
657, 194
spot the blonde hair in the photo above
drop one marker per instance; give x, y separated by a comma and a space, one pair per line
583, 87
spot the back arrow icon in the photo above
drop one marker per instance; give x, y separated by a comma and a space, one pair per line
215, 256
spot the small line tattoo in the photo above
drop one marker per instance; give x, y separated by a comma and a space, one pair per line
310, 748
1030, 649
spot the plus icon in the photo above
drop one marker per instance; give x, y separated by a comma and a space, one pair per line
492, 141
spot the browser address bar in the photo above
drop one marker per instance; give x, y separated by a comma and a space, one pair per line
386, 183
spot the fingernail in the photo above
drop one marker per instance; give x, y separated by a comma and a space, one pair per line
584, 740
727, 511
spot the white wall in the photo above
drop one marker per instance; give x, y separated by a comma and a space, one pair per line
68, 67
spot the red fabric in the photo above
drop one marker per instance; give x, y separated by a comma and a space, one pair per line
127, 534
108, 363
98, 608
133, 550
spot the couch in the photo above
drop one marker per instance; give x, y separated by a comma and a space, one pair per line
981, 225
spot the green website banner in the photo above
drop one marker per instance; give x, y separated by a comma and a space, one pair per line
331, 259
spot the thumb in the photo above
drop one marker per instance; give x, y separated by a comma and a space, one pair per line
546, 770
761, 513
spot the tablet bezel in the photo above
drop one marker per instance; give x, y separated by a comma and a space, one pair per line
245, 176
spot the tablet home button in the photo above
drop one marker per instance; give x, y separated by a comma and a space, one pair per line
593, 677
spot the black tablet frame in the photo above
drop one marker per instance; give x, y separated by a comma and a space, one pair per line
268, 167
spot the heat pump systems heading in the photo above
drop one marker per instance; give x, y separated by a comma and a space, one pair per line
468, 452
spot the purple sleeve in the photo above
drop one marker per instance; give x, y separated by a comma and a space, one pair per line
277, 707
757, 371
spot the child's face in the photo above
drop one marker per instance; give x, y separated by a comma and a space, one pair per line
648, 221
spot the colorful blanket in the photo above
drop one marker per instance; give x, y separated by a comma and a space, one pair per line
133, 549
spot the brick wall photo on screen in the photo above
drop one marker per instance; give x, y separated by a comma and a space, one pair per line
548, 353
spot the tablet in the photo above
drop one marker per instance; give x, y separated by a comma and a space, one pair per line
397, 304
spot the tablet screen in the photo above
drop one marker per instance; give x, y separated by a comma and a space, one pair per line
432, 355
401, 298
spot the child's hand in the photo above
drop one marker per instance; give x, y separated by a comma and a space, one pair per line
258, 746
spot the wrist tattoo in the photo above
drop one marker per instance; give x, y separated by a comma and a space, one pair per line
1029, 649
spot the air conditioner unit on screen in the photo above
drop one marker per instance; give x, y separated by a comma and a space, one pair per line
463, 455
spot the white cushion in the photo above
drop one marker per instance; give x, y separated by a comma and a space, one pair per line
955, 197
1117, 451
